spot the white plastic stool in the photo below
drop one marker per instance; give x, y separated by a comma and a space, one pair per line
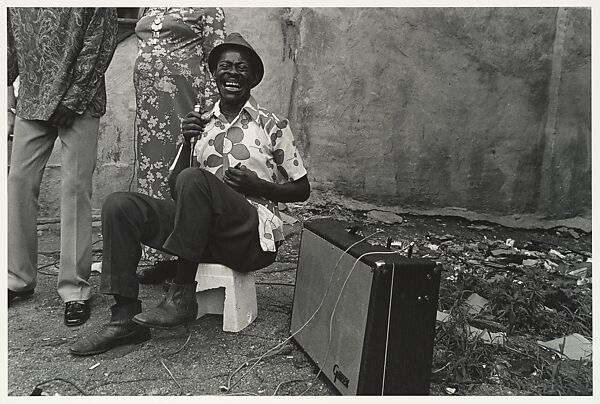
221, 290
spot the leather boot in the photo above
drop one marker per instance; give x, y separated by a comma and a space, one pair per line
120, 331
178, 307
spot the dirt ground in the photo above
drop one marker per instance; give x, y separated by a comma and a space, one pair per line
201, 361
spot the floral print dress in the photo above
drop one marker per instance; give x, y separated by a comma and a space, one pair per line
170, 77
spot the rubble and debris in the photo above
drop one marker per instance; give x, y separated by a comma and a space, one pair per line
479, 263
384, 217
287, 219
442, 317
479, 227
587, 265
492, 338
500, 252
450, 390
557, 254
572, 232
579, 273
574, 346
475, 304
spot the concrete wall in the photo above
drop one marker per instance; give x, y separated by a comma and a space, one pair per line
443, 107
488, 110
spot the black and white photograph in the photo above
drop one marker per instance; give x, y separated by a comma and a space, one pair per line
300, 200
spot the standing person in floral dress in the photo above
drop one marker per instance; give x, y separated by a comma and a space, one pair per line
171, 76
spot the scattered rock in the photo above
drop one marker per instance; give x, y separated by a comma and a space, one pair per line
578, 273
384, 217
492, 338
442, 317
556, 254
480, 227
504, 252
494, 264
587, 265
475, 303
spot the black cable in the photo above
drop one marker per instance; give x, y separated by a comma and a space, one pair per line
55, 263
37, 391
162, 360
230, 386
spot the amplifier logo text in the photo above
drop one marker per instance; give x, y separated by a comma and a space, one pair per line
338, 375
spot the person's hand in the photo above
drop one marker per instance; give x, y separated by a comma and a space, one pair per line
193, 125
63, 117
243, 180
10, 122
11, 101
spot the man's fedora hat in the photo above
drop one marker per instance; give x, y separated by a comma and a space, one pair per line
236, 41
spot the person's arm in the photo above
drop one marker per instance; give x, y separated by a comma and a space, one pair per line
11, 101
94, 57
11, 54
246, 182
192, 126
13, 73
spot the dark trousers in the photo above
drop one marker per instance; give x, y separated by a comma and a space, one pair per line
208, 222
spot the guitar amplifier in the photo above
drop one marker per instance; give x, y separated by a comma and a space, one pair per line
369, 322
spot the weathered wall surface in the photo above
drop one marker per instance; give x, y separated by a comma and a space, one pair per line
116, 152
448, 107
488, 110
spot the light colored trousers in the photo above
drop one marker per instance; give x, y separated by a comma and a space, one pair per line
32, 145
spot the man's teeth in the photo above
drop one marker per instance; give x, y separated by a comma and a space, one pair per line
231, 84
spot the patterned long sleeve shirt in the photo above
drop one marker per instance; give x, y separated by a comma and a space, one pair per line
60, 56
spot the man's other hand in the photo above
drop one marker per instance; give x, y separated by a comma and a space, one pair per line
243, 180
10, 121
63, 117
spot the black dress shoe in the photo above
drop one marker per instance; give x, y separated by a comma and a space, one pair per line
77, 312
119, 331
160, 271
25, 294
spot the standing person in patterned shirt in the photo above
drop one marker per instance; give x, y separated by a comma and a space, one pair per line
60, 56
224, 211
170, 76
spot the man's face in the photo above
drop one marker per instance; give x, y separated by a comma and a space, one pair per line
234, 76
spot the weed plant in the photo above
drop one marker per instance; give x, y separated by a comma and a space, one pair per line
528, 307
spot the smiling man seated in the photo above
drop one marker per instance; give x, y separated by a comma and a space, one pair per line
224, 211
